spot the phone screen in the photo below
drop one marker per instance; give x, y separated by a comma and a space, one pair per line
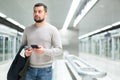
34, 46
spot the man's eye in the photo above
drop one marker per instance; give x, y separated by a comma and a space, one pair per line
39, 11
35, 11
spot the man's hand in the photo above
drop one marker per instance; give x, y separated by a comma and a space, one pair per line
28, 52
39, 50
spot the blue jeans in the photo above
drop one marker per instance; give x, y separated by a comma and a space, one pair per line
39, 73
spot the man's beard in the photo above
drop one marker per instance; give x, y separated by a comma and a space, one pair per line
39, 21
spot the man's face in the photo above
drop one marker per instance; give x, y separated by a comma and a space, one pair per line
39, 14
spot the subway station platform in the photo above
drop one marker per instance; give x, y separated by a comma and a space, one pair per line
60, 69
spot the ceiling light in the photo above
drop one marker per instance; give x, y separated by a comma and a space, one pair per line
12, 21
23, 27
88, 6
15, 22
71, 12
96, 31
2, 15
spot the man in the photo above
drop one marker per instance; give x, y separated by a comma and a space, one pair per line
46, 43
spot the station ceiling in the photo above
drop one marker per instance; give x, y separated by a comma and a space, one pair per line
103, 13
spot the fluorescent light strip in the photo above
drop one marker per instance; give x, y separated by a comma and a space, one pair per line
2, 15
96, 31
115, 24
88, 6
23, 27
11, 20
99, 30
71, 12
15, 22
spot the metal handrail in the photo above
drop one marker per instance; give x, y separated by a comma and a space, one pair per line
83, 68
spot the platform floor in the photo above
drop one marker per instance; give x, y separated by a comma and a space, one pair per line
110, 66
4, 66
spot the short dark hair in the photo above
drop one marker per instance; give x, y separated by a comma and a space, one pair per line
41, 4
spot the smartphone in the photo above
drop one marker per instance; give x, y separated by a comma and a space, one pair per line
34, 46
